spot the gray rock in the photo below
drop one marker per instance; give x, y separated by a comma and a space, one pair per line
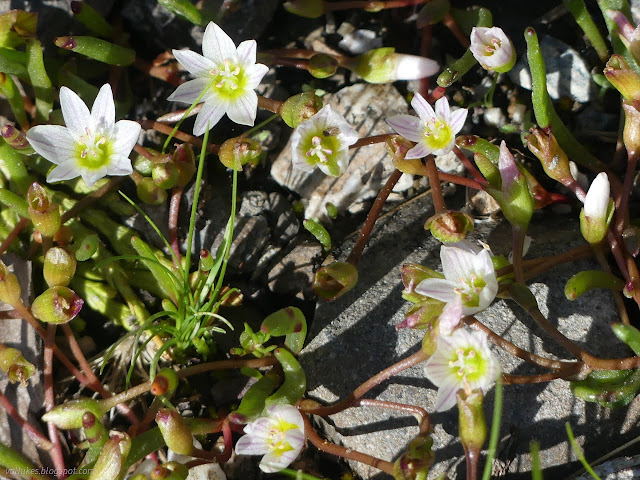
355, 337
277, 211
293, 273
567, 73
624, 468
365, 107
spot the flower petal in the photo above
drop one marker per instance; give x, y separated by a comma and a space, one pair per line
92, 176
457, 264
247, 53
288, 413
53, 142
272, 463
422, 108
254, 75
217, 46
250, 445
76, 114
210, 113
119, 165
196, 64
596, 202
446, 397
419, 151
125, 136
189, 91
437, 288
457, 119
450, 316
442, 109
410, 127
243, 110
103, 111
65, 171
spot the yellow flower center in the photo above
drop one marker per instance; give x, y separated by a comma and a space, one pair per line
438, 134
93, 151
228, 80
276, 437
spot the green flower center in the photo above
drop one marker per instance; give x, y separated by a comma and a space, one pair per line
93, 151
228, 80
276, 437
470, 289
438, 134
468, 366
322, 148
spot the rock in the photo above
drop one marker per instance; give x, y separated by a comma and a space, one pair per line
355, 337
293, 274
359, 41
624, 468
567, 73
494, 117
365, 107
276, 210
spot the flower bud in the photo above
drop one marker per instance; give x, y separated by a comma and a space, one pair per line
631, 132
43, 212
383, 65
57, 305
112, 457
623, 77
416, 461
543, 144
165, 174
142, 164
59, 267
165, 382
238, 151
492, 49
305, 8
322, 65
13, 363
598, 210
9, 286
626, 31
412, 274
184, 159
517, 203
170, 471
17, 140
70, 414
94, 430
300, 107
449, 227
175, 432
472, 424
335, 280
422, 315
149, 192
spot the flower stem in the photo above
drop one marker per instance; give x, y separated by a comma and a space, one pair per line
269, 104
436, 189
33, 433
519, 235
617, 297
424, 421
180, 135
91, 198
49, 400
452, 25
371, 140
471, 168
622, 209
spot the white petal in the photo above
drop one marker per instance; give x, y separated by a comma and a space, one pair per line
410, 127
119, 165
65, 171
419, 151
442, 109
53, 142
75, 112
196, 64
243, 110
596, 202
247, 53
125, 136
437, 288
457, 263
217, 46
255, 74
103, 112
250, 445
446, 397
288, 413
189, 91
92, 176
457, 119
412, 67
422, 108
211, 113
272, 463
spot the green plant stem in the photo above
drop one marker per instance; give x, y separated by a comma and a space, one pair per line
186, 114
13, 460
174, 209
584, 20
495, 431
40, 80
91, 198
536, 470
578, 452
14, 98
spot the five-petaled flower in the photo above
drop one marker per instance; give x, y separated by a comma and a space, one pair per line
462, 360
279, 437
434, 132
226, 77
323, 140
469, 278
92, 145
492, 49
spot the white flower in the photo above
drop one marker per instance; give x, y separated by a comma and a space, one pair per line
225, 77
323, 140
279, 437
596, 202
92, 145
492, 49
434, 132
469, 278
462, 360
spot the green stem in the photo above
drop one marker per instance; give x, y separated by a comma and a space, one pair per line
495, 430
186, 114
579, 11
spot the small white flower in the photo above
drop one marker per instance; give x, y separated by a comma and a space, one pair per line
596, 202
492, 49
92, 145
434, 132
462, 360
227, 75
323, 140
469, 278
279, 437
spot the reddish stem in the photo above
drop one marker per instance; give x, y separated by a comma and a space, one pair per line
471, 168
371, 140
424, 421
436, 189
185, 137
452, 25
49, 401
425, 50
371, 5
91, 198
13, 234
33, 433
622, 209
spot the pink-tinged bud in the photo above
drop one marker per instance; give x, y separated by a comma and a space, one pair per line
631, 132
335, 280
516, 203
543, 144
629, 34
305, 8
623, 77
44, 213
383, 65
94, 430
70, 414
149, 192
412, 274
472, 425
300, 108
175, 432
206, 261
59, 267
165, 382
422, 315
112, 457
57, 305
492, 49
184, 158
9, 286
449, 227
598, 210
239, 151
165, 174
398, 147
16, 139
13, 363
416, 461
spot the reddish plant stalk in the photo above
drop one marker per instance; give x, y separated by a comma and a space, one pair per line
33, 433
13, 234
424, 421
452, 25
49, 401
436, 189
370, 4
622, 209
185, 137
471, 168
